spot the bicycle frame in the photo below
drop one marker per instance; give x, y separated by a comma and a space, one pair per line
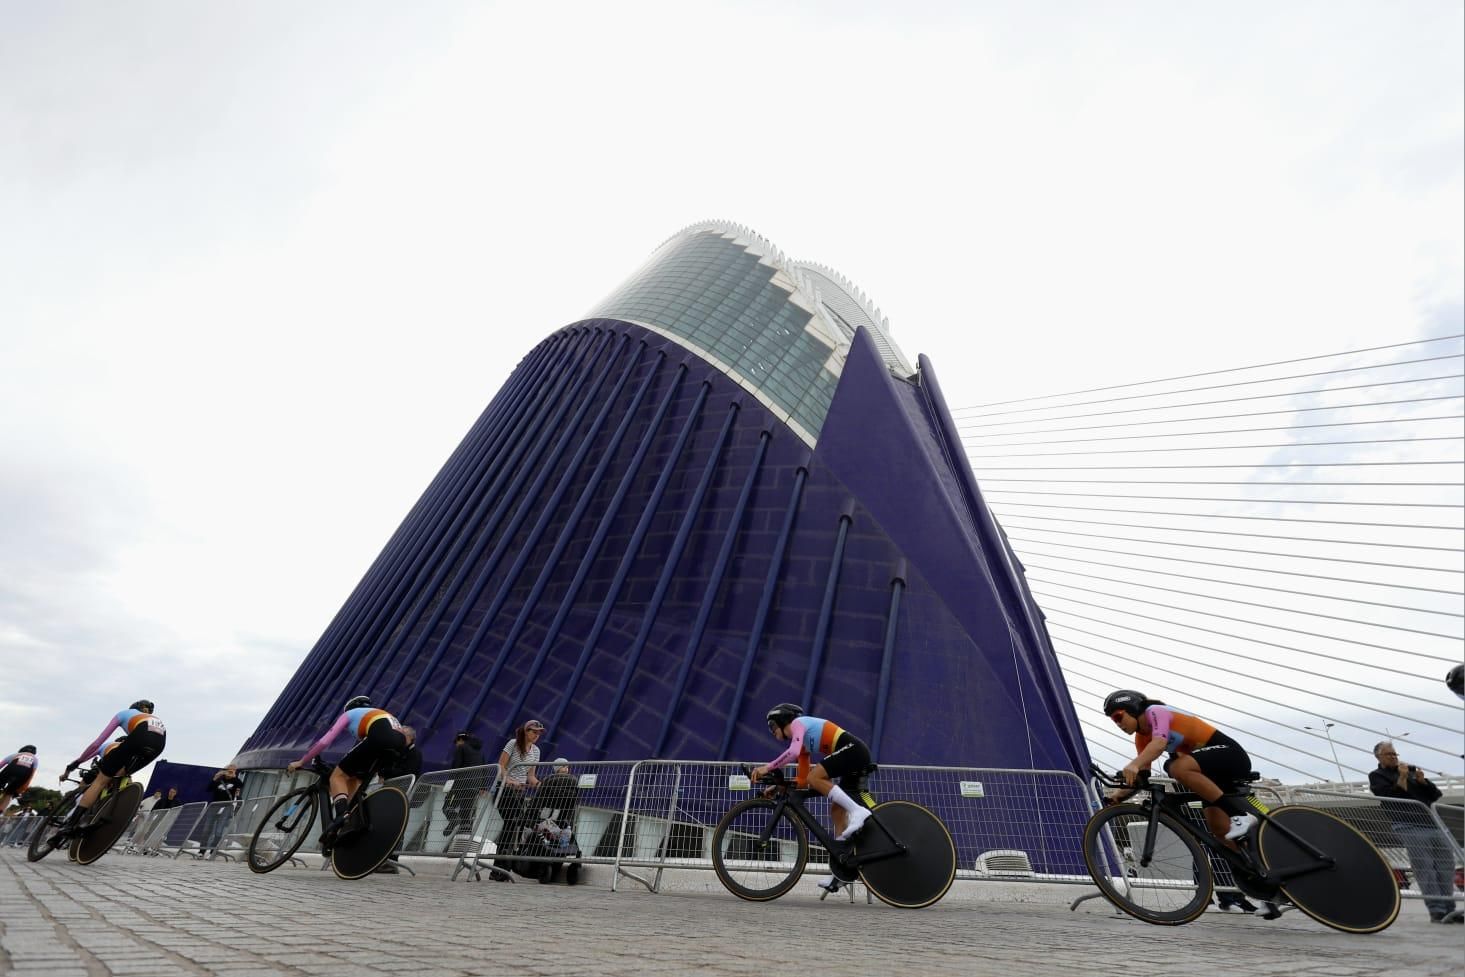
791, 798
1240, 860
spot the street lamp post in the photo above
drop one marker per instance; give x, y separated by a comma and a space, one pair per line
1327, 731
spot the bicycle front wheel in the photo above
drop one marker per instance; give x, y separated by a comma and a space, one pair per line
282, 830
921, 874
1356, 895
759, 850
42, 833
1174, 888
114, 816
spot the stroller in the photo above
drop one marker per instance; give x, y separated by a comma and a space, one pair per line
550, 834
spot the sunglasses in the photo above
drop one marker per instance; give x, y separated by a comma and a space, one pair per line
1118, 717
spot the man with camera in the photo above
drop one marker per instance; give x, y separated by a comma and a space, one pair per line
1429, 852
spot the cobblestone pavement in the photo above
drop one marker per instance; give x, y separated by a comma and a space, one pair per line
129, 915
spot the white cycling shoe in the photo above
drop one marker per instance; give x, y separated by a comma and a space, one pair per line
1240, 825
857, 821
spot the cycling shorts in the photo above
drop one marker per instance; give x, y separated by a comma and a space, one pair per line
378, 747
15, 779
1223, 760
142, 746
847, 762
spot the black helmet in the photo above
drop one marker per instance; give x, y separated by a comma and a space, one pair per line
27, 749
1127, 699
1456, 680
783, 714
357, 702
142, 705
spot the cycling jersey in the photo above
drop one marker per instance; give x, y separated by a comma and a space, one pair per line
1180, 731
129, 721
358, 720
808, 734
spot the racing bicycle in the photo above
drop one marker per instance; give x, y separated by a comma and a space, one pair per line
374, 825
904, 854
1153, 860
98, 830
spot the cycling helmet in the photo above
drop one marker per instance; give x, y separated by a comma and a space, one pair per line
27, 749
1456, 680
142, 705
783, 714
1129, 700
357, 702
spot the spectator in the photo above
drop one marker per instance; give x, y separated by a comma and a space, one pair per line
223, 790
460, 804
1430, 854
517, 761
554, 833
170, 800
149, 801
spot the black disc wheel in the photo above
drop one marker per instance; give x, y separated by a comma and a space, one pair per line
922, 873
282, 830
113, 817
43, 833
1357, 894
1173, 888
759, 850
384, 818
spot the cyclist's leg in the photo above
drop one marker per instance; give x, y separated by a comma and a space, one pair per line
1211, 772
847, 762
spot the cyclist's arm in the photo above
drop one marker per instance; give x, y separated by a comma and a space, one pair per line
95, 745
791, 753
324, 741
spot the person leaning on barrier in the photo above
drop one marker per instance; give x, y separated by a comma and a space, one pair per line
517, 761
224, 789
460, 803
1430, 855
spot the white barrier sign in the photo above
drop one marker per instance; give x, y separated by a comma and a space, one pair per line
739, 782
972, 788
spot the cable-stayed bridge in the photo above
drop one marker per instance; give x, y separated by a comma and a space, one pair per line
1275, 547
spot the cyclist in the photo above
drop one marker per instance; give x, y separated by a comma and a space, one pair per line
16, 771
144, 742
379, 738
845, 757
1202, 758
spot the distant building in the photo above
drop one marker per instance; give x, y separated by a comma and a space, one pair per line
725, 488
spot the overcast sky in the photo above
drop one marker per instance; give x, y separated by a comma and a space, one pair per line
261, 265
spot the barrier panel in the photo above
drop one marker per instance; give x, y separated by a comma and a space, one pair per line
234, 842
1006, 824
572, 818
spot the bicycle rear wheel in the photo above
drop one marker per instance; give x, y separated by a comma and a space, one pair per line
114, 816
755, 856
282, 830
1174, 888
923, 873
385, 813
1357, 895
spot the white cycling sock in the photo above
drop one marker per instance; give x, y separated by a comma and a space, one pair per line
838, 796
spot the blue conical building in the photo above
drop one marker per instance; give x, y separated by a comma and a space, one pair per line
726, 487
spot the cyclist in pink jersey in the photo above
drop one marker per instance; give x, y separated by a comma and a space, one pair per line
379, 739
844, 756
